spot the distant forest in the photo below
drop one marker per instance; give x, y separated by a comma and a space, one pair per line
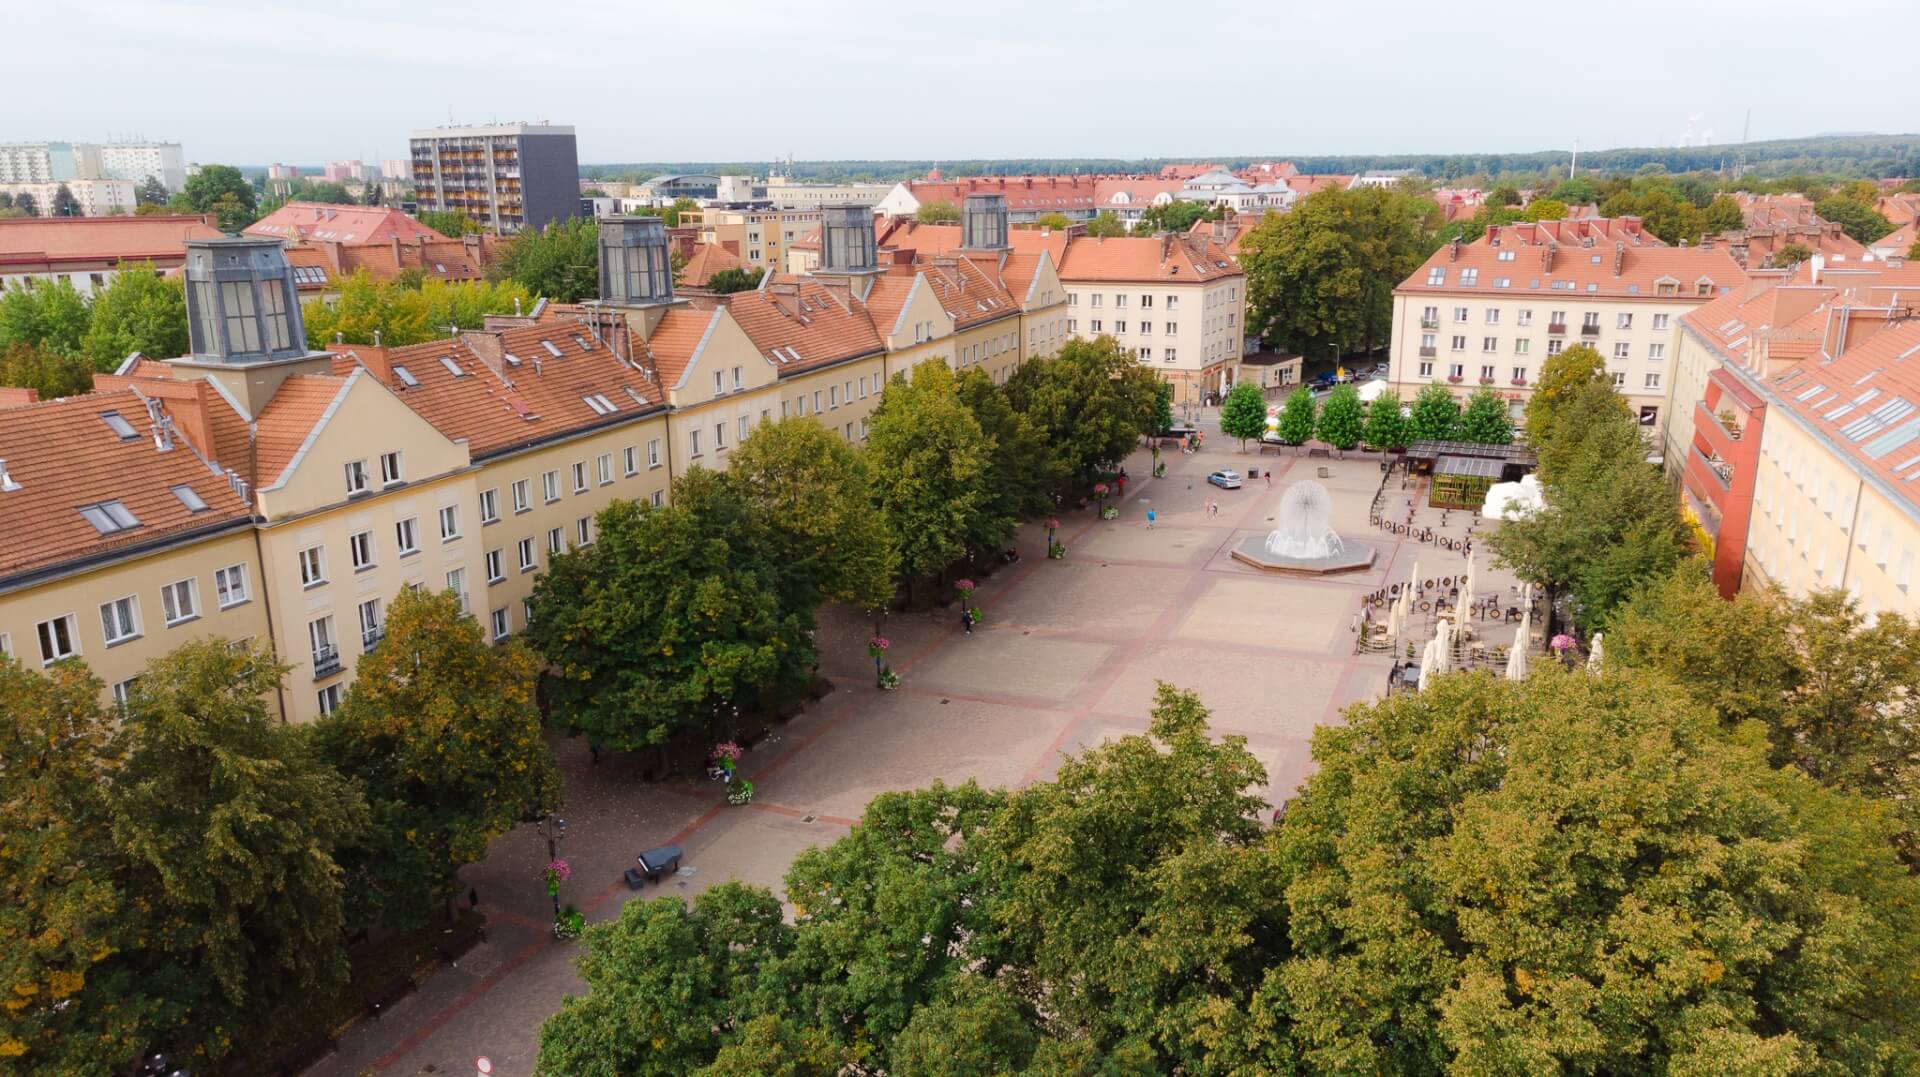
1843, 156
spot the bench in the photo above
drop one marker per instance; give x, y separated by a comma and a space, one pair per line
653, 865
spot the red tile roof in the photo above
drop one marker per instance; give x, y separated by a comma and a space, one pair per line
1168, 258
34, 241
289, 419
1024, 194
801, 324
706, 260
297, 221
63, 456
1612, 270
1863, 401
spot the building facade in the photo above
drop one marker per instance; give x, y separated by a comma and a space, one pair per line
88, 251
760, 236
507, 176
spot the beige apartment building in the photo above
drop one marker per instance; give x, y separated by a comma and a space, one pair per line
1491, 312
1177, 302
760, 236
258, 491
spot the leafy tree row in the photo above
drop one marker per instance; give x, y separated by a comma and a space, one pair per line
53, 339
1344, 421
407, 311
177, 867
1571, 873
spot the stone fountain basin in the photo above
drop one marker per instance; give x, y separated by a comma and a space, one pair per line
1357, 557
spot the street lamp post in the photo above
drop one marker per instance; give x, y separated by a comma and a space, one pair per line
554, 829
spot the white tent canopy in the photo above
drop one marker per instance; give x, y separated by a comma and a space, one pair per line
1512, 500
1371, 391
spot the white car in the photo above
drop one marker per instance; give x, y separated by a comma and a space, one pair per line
1225, 480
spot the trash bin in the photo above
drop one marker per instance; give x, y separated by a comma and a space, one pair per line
1253, 473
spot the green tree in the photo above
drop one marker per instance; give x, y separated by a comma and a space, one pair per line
1339, 424
728, 281
1297, 417
76, 1006
452, 223
560, 262
1723, 214
1321, 277
407, 313
441, 732
1562, 376
1243, 414
206, 188
50, 314
1386, 429
1056, 221
1913, 252
1857, 219
1490, 876
1092, 401
1665, 211
1023, 472
1544, 209
1576, 191
670, 214
1106, 223
51, 374
937, 212
225, 825
1503, 194
810, 500
1486, 419
1791, 254
1163, 409
231, 215
138, 311
1178, 215
64, 204
1435, 415
26, 205
664, 623
931, 463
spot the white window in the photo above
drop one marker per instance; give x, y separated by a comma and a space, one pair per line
525, 548
556, 540
181, 601
1653, 380
1554, 346
390, 472
489, 506
496, 570
1073, 325
1493, 315
1486, 372
449, 522
1426, 370
1173, 329
1436, 275
230, 585
119, 620
1456, 371
580, 477
498, 618
1619, 380
521, 496
1656, 351
743, 425
630, 460
526, 610
1624, 321
550, 486
719, 383
1459, 343
123, 692
1096, 297
737, 383
1094, 325
1660, 321
1622, 350
659, 497
1460, 314
320, 636
1173, 302
583, 531
1519, 375
328, 699
693, 436
360, 549
833, 396
372, 628
313, 567
1119, 327
457, 583
720, 435
1146, 329
356, 477
1590, 320
59, 638
653, 453
1523, 317
406, 536
1167, 356
1120, 301
1523, 346
1489, 344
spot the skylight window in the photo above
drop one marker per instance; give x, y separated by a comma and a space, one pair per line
453, 368
637, 398
188, 498
512, 359
109, 517
406, 377
551, 349
600, 404
123, 429
585, 344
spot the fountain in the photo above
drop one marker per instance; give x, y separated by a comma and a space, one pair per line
1304, 542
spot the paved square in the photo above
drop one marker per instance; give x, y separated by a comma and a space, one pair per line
1049, 669
1247, 690
1083, 596
1271, 610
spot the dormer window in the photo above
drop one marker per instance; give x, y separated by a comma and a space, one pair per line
1436, 276
356, 477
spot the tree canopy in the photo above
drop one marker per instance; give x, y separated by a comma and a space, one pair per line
452, 223
560, 262
1321, 277
50, 314
931, 463
1091, 401
1243, 414
1339, 424
404, 313
937, 212
1435, 415
1856, 218
1296, 419
1106, 223
1486, 419
728, 281
1386, 427
138, 311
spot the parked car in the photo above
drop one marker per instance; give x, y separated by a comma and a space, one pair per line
1225, 480
1323, 382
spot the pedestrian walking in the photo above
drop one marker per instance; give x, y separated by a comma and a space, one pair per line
966, 619
1149, 519
1269, 478
594, 750
473, 899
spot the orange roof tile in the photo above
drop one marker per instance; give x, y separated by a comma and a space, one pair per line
801, 324
37, 241
706, 260
63, 456
1614, 270
297, 221
1177, 258
1863, 403
289, 419
1024, 194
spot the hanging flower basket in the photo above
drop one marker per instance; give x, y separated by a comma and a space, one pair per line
554, 874
877, 647
1561, 643
741, 792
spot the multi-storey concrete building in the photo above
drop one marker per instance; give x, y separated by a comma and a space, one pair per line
1491, 312
88, 251
506, 176
135, 161
55, 162
758, 234
94, 197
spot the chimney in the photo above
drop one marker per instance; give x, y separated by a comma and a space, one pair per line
1619, 256
1546, 256
491, 349
7, 485
10, 396
1493, 235
1453, 250
397, 263
376, 338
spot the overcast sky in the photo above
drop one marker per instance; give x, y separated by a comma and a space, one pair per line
258, 81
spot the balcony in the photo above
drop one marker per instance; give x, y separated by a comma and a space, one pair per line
1430, 323
371, 637
1428, 353
326, 661
1721, 470
1558, 329
1589, 330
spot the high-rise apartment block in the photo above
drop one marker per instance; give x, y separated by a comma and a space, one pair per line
506, 176
60, 162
